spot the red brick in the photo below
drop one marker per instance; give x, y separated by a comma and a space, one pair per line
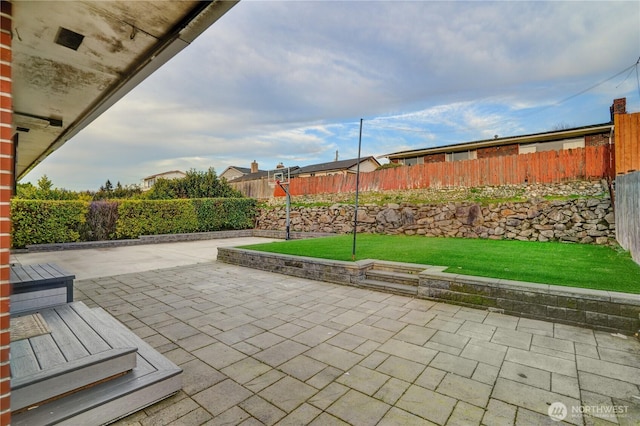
6, 163
5, 243
5, 387
5, 419
6, 179
5, 288
4, 337
6, 134
5, 70
6, 117
5, 193
4, 354
5, 7
5, 39
5, 54
5, 86
6, 102
5, 23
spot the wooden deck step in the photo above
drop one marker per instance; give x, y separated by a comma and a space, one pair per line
73, 356
45, 385
153, 379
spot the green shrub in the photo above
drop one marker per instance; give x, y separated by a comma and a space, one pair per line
46, 221
153, 217
217, 214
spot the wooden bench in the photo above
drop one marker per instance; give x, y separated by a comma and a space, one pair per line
39, 286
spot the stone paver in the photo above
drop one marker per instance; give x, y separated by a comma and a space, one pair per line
260, 348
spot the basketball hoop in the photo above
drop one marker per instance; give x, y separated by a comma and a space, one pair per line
280, 178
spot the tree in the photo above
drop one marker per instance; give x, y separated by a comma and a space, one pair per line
45, 184
108, 192
44, 191
561, 126
194, 185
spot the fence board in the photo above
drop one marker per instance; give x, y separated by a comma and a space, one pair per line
627, 147
627, 211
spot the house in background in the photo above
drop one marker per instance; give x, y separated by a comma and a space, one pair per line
235, 172
338, 167
149, 181
255, 184
556, 140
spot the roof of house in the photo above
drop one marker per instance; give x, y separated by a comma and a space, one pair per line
164, 173
333, 165
261, 174
243, 170
530, 138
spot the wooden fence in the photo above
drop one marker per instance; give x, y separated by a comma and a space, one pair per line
541, 167
627, 208
627, 128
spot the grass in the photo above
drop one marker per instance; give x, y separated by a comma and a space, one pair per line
573, 265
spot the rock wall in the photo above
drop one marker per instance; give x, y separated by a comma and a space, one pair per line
583, 220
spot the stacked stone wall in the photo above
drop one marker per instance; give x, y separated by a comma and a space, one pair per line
588, 219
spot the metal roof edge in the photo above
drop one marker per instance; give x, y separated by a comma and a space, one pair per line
530, 138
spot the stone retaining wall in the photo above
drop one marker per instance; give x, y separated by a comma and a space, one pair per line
584, 220
603, 310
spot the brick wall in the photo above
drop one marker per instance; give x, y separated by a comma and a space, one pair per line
497, 151
435, 158
597, 140
6, 186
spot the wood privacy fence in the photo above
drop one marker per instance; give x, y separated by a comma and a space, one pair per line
627, 212
627, 128
591, 162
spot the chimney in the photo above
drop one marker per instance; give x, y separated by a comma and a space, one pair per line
619, 107
336, 155
280, 166
254, 167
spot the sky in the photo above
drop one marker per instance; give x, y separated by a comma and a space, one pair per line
288, 82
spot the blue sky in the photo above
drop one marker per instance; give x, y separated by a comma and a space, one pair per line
288, 81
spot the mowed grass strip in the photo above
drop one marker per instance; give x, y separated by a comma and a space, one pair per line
566, 264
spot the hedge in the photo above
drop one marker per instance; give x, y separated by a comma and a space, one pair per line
39, 221
46, 221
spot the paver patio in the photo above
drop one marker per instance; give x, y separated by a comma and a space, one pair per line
262, 348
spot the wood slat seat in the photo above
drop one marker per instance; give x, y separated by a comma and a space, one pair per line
39, 286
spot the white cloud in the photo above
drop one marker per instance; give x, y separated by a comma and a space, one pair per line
288, 81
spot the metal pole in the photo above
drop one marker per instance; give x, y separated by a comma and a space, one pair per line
288, 234
355, 213
287, 223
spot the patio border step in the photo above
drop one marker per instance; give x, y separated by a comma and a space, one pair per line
390, 287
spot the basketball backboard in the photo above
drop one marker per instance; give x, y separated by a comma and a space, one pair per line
280, 176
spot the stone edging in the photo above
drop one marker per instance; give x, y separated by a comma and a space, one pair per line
602, 310
170, 238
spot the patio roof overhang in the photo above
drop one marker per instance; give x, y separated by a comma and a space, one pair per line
72, 60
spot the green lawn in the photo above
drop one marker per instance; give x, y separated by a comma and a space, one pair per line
574, 265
